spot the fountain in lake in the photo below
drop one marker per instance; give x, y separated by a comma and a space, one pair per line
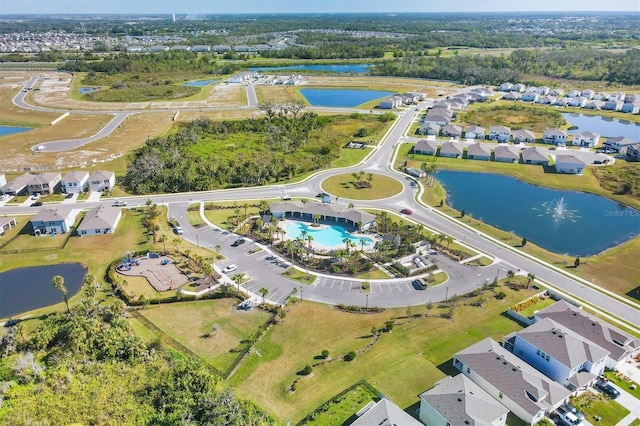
558, 210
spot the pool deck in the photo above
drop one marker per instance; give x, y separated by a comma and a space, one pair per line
324, 225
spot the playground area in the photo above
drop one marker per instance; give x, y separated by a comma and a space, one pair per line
161, 271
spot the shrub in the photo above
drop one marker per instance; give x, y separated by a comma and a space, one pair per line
388, 326
325, 353
350, 356
306, 370
501, 295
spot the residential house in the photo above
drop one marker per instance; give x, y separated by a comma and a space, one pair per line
459, 401
102, 181
593, 105
587, 93
392, 102
478, 152
442, 104
541, 90
631, 107
631, 98
384, 412
533, 156
451, 150
569, 164
504, 154
44, 183
425, 147
53, 220
556, 92
506, 87
573, 93
221, 48
499, 133
558, 353
429, 129
518, 87
602, 96
523, 390
617, 96
555, 136
75, 182
474, 132
633, 153
620, 345
530, 97
619, 143
240, 77
7, 223
457, 104
452, 131
613, 105
512, 96
201, 48
3, 179
546, 100
563, 102
579, 102
441, 120
586, 139
523, 136
18, 186
100, 220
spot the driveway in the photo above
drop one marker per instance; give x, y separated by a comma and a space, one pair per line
629, 402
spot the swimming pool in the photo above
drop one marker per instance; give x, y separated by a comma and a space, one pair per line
328, 236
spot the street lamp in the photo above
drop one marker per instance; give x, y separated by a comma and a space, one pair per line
366, 305
197, 241
300, 292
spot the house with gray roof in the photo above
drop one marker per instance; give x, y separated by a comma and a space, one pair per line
478, 152
325, 211
451, 150
522, 389
533, 156
499, 133
559, 353
452, 131
425, 147
619, 143
384, 413
633, 153
504, 154
18, 186
459, 401
102, 181
620, 345
613, 105
474, 132
631, 107
75, 182
569, 164
100, 220
44, 183
53, 220
523, 135
555, 136
586, 139
511, 96
432, 129
7, 223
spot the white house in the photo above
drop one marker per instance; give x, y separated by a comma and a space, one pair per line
474, 132
241, 77
556, 92
3, 179
523, 136
7, 223
75, 182
558, 353
18, 186
569, 164
555, 136
587, 93
512, 96
593, 105
429, 129
392, 102
518, 386
53, 220
617, 96
44, 183
586, 139
102, 181
563, 102
100, 220
620, 345
541, 90
546, 100
518, 87
579, 101
530, 97
459, 401
619, 143
613, 105
573, 93
384, 412
499, 133
506, 87
631, 107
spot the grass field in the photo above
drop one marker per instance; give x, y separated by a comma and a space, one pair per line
592, 405
339, 410
343, 185
402, 364
515, 116
213, 329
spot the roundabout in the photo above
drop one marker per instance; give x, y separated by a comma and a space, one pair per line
362, 186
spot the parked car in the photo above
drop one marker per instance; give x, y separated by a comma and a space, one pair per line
608, 389
238, 242
406, 211
69, 195
178, 230
419, 284
36, 204
119, 203
36, 196
230, 268
322, 195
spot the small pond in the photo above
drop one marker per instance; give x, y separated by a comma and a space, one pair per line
341, 97
605, 126
26, 289
10, 130
565, 222
199, 83
85, 90
340, 68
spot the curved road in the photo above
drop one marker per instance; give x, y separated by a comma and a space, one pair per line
379, 161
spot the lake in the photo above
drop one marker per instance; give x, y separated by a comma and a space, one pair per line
10, 130
605, 126
565, 222
199, 83
341, 98
26, 289
341, 68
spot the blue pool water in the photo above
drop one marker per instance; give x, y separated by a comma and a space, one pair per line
341, 68
565, 222
9, 130
85, 90
328, 236
605, 126
341, 98
199, 83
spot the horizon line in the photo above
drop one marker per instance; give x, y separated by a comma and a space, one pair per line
321, 13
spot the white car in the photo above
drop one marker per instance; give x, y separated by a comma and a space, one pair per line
35, 196
230, 268
119, 203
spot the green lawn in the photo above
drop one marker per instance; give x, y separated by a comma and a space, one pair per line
213, 329
297, 275
344, 185
420, 344
194, 218
623, 384
339, 409
598, 405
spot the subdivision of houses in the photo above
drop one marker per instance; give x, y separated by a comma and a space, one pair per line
477, 151
504, 154
555, 136
425, 147
474, 132
451, 150
452, 130
429, 129
533, 156
102, 181
44, 183
523, 136
75, 182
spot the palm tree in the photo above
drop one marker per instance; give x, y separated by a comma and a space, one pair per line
58, 282
350, 205
347, 242
177, 241
530, 277
316, 218
309, 240
361, 244
263, 291
264, 206
449, 240
245, 206
510, 276
163, 239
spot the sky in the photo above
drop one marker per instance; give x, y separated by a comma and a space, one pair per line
308, 6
